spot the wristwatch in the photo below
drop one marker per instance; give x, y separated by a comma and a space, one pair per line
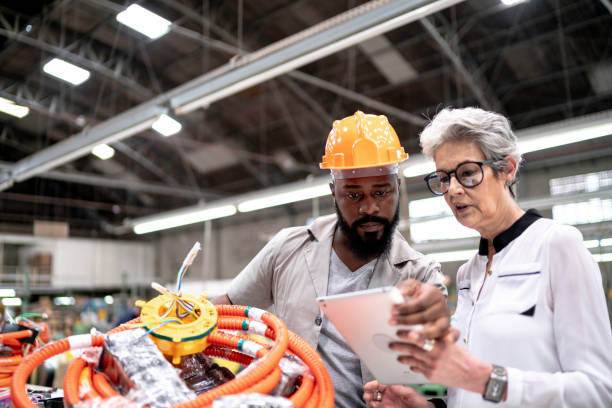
498, 381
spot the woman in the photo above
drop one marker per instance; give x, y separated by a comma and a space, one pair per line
531, 311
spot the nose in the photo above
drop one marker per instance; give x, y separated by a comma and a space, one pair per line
454, 187
369, 206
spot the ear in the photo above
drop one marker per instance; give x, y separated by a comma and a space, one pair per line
332, 187
510, 169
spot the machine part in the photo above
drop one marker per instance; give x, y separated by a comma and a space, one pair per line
201, 374
362, 141
156, 382
315, 390
181, 335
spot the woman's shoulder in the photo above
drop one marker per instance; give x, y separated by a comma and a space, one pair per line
554, 230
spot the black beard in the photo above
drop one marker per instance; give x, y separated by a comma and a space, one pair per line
371, 245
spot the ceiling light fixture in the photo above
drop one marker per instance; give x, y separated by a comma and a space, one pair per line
103, 151
537, 138
71, 148
285, 197
7, 292
11, 108
66, 71
510, 3
144, 21
565, 132
182, 217
11, 301
166, 126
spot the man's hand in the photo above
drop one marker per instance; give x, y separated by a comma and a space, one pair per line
423, 304
392, 396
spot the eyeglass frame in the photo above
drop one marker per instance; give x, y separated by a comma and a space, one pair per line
450, 173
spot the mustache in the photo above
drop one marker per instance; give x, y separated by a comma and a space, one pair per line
370, 218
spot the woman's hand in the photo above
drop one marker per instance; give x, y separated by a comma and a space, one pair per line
392, 396
423, 304
448, 364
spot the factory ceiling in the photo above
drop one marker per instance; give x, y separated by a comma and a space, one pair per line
539, 61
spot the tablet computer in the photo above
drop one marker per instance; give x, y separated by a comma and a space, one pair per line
362, 318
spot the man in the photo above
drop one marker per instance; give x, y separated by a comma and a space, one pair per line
357, 248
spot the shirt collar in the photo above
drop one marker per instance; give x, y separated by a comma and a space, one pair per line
516, 229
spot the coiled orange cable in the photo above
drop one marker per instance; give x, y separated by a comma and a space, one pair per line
262, 377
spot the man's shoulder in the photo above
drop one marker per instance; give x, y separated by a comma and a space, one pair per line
401, 251
316, 230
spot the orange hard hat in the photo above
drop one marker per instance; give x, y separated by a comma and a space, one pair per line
361, 141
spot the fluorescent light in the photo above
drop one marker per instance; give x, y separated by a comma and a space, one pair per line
11, 108
607, 257
452, 256
440, 229
594, 243
109, 300
512, 2
537, 138
7, 292
63, 301
144, 21
103, 151
569, 136
11, 301
166, 126
66, 71
286, 197
184, 218
605, 242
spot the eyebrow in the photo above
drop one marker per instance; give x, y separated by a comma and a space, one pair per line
358, 186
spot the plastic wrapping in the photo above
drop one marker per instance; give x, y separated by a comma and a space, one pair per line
133, 362
201, 374
91, 354
252, 401
292, 368
113, 402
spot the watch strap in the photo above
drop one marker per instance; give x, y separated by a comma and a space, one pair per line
496, 386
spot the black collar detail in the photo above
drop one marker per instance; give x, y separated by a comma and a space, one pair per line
516, 229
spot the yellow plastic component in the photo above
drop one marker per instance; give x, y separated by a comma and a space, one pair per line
174, 339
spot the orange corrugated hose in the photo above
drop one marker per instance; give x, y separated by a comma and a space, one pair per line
86, 387
299, 347
262, 377
103, 387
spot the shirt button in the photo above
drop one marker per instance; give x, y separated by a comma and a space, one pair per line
318, 320
465, 340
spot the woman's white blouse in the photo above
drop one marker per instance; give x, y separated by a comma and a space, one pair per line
542, 314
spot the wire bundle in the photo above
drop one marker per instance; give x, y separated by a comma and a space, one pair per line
82, 382
20, 348
263, 374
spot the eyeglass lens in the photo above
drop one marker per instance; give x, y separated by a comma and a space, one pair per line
468, 175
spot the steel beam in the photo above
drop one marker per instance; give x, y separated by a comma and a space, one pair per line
486, 99
317, 42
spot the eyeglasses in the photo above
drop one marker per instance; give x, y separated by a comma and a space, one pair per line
469, 174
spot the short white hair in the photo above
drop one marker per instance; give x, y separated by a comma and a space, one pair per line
489, 130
